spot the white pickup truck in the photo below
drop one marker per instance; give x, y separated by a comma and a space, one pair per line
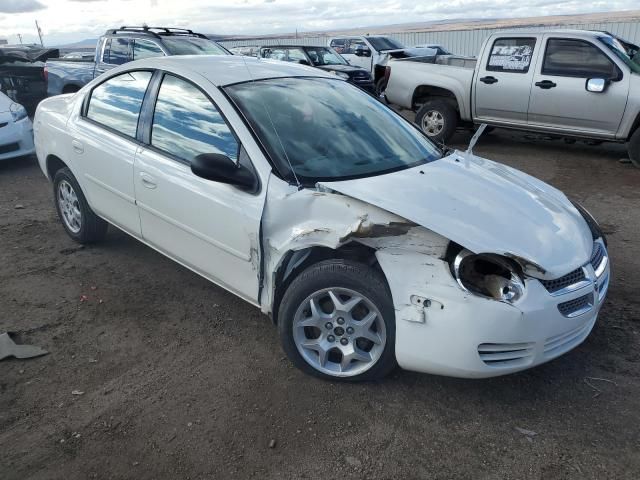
572, 83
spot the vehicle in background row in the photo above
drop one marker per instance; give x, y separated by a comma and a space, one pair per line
16, 130
247, 51
372, 54
79, 56
122, 45
572, 83
324, 58
440, 50
315, 202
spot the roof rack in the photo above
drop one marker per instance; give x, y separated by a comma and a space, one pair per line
155, 31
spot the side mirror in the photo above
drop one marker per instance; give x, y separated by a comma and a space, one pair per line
220, 168
596, 85
362, 51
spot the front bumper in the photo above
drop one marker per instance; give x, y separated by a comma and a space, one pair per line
444, 330
16, 138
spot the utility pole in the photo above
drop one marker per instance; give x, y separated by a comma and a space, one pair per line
20, 38
39, 33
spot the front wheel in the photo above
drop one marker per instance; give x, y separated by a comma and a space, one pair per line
438, 120
336, 321
633, 147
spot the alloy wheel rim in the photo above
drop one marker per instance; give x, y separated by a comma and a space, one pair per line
339, 332
432, 123
69, 206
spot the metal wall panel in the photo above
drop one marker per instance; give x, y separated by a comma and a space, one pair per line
462, 42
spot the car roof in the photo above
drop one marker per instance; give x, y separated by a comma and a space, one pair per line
223, 70
294, 46
520, 32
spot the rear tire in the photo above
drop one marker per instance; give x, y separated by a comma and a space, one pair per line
438, 120
633, 147
77, 218
336, 321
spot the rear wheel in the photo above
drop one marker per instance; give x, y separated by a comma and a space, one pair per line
78, 219
438, 120
633, 147
336, 321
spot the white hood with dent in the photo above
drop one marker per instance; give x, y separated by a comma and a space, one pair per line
485, 206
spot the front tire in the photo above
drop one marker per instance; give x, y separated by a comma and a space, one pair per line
633, 147
336, 321
438, 120
79, 221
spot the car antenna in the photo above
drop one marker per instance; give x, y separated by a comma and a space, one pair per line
252, 80
475, 138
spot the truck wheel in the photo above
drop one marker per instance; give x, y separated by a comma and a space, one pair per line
381, 86
438, 120
78, 219
633, 147
336, 321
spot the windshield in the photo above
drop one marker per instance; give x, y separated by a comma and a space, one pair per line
618, 49
192, 46
327, 129
324, 56
384, 43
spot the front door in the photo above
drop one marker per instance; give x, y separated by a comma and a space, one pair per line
559, 97
104, 145
503, 82
213, 228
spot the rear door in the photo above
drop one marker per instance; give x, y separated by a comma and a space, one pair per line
559, 98
104, 145
503, 80
116, 51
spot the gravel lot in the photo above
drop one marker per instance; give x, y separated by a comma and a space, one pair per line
180, 379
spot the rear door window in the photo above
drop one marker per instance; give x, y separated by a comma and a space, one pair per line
511, 55
116, 103
186, 123
353, 44
146, 49
576, 58
119, 51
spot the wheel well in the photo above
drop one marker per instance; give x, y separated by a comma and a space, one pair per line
296, 261
53, 165
427, 92
378, 72
634, 127
70, 89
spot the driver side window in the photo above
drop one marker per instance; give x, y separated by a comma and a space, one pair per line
353, 44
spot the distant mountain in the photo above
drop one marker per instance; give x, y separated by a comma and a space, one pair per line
81, 45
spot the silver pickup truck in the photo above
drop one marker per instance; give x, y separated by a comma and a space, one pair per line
122, 45
573, 83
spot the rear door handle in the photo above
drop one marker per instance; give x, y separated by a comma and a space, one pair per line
489, 80
148, 181
546, 84
77, 146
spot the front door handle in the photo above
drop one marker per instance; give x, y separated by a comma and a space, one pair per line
148, 181
77, 146
489, 80
546, 84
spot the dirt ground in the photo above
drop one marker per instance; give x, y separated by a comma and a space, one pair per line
181, 380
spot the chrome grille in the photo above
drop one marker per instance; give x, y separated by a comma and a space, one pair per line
597, 255
577, 306
569, 279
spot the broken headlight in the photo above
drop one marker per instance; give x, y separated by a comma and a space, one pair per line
18, 112
488, 275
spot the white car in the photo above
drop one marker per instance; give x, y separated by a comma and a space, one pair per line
16, 130
367, 245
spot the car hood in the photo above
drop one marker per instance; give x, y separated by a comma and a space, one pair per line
485, 206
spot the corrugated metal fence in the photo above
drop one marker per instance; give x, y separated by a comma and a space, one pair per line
461, 42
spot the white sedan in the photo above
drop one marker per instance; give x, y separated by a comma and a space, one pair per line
16, 130
367, 245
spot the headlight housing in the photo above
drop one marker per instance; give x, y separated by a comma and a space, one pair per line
18, 112
342, 75
488, 275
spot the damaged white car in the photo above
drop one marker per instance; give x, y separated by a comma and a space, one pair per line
367, 245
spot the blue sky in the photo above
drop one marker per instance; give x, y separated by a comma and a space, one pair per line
64, 21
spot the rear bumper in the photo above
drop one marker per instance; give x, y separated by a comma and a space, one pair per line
16, 139
459, 334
